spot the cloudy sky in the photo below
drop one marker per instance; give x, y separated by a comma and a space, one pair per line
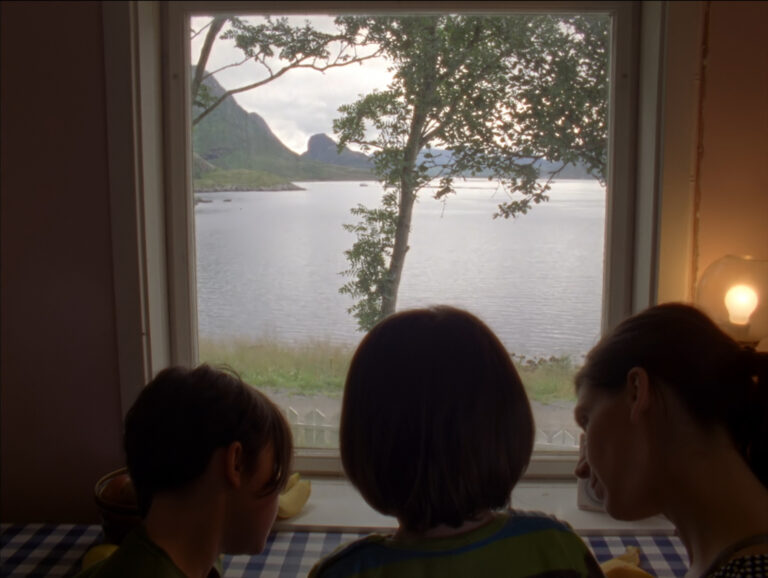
300, 103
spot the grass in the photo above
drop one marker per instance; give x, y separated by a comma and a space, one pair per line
547, 379
308, 368
238, 178
319, 368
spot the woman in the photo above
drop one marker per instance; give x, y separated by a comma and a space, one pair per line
676, 420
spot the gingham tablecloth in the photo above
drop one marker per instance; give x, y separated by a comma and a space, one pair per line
55, 550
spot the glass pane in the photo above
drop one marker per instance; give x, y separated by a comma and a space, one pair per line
272, 198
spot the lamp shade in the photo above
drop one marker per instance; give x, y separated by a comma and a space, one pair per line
733, 291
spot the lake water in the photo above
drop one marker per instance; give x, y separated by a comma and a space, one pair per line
269, 263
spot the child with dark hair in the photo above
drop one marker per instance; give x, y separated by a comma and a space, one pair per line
675, 414
436, 430
208, 456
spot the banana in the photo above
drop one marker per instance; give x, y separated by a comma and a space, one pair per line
631, 554
625, 565
292, 500
292, 479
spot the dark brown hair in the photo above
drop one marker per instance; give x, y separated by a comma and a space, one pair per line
183, 415
717, 380
435, 426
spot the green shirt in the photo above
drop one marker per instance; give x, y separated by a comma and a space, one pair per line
138, 556
514, 545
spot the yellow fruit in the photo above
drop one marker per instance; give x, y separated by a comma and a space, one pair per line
292, 479
619, 569
290, 502
631, 555
97, 554
625, 565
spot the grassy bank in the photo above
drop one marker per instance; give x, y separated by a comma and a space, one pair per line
239, 180
547, 379
319, 368
308, 368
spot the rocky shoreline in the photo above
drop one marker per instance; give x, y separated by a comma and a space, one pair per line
244, 188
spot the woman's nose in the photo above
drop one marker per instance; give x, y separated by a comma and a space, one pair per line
582, 468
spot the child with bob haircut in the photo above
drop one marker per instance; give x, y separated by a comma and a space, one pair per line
436, 430
208, 455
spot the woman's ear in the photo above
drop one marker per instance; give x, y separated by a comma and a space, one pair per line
233, 463
639, 393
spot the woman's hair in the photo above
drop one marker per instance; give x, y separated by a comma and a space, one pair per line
435, 426
183, 415
718, 381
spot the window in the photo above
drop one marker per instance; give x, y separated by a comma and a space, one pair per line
623, 279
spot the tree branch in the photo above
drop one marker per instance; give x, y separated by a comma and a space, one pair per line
215, 27
243, 61
197, 33
273, 76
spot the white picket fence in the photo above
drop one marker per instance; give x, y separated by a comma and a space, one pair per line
314, 429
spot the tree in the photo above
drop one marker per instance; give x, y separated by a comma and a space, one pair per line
500, 94
276, 47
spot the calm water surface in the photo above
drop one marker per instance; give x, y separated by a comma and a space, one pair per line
269, 263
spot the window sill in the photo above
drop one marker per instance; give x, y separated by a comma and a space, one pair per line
335, 505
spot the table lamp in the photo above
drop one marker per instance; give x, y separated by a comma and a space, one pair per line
733, 291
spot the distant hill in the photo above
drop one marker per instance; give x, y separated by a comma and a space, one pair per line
569, 172
236, 150
231, 139
322, 148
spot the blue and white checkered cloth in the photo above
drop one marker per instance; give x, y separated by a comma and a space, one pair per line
34, 550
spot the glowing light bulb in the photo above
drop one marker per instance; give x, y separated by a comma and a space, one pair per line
741, 302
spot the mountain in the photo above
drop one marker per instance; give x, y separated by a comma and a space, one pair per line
231, 139
236, 150
322, 148
578, 171
569, 172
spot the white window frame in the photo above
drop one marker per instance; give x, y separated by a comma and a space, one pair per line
149, 139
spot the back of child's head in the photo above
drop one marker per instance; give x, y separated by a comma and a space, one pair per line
436, 427
183, 415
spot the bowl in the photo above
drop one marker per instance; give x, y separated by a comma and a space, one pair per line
118, 508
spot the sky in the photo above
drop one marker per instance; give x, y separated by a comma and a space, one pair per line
302, 102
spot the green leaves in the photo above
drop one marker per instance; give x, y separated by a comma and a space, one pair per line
369, 259
501, 93
275, 37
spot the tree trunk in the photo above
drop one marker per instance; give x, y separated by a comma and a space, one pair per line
408, 184
400, 248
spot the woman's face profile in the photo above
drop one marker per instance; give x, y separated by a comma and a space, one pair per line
613, 461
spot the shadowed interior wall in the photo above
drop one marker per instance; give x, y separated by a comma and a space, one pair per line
60, 399
734, 148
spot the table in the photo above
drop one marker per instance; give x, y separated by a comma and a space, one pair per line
55, 550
